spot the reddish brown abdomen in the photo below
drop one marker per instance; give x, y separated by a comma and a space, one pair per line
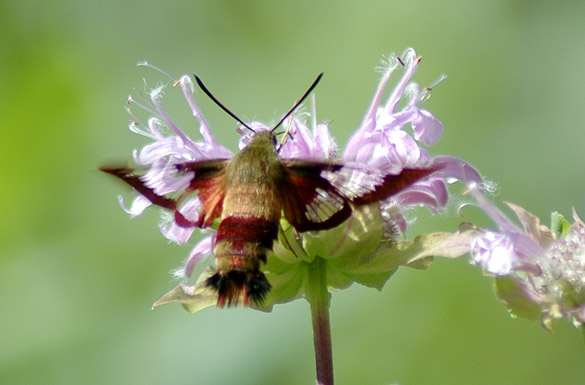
240, 248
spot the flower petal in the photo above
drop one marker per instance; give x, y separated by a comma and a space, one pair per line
495, 252
202, 250
139, 204
426, 127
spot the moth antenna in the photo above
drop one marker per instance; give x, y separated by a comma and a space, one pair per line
208, 93
300, 101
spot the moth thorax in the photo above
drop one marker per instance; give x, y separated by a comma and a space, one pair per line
252, 201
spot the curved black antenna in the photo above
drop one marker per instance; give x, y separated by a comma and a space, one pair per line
299, 102
221, 105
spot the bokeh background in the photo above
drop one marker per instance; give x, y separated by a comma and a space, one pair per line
77, 276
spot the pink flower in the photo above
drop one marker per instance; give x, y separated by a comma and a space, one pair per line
394, 135
541, 272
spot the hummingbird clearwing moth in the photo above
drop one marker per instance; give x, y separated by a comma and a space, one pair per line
250, 192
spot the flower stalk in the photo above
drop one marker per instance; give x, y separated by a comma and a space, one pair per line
319, 299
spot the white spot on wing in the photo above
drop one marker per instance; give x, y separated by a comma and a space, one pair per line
323, 206
354, 181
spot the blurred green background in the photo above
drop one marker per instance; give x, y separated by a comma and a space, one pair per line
77, 276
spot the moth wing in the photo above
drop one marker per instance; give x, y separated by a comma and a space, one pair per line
309, 201
207, 180
362, 185
320, 196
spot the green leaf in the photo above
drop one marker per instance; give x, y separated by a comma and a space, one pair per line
532, 226
390, 256
286, 286
559, 224
193, 298
512, 294
359, 235
289, 248
338, 279
376, 281
422, 264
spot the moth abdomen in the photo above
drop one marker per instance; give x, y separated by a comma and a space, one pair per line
247, 230
240, 249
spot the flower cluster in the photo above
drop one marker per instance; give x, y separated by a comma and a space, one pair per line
541, 272
365, 248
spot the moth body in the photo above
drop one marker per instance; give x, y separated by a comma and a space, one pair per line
249, 222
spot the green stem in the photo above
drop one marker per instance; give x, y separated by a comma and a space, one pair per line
319, 299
